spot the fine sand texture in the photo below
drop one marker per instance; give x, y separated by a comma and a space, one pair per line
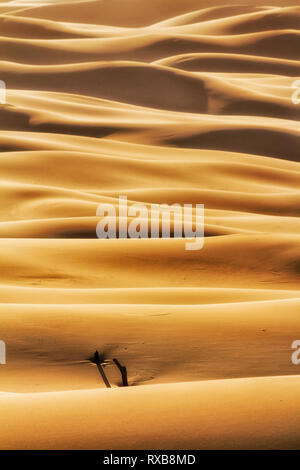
162, 101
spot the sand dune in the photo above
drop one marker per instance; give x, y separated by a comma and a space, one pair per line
203, 344
133, 13
12, 26
33, 141
216, 96
208, 21
243, 409
248, 22
140, 296
148, 47
234, 62
212, 13
233, 261
163, 101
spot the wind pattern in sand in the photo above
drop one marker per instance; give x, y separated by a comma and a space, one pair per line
165, 101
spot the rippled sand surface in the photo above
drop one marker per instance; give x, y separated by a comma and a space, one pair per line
164, 101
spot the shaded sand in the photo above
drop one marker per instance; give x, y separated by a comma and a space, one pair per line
260, 260
163, 101
148, 47
242, 337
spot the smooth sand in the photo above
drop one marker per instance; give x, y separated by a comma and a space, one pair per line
164, 101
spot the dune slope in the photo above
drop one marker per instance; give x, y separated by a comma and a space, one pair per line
162, 101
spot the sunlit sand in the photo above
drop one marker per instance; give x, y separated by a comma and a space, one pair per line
164, 101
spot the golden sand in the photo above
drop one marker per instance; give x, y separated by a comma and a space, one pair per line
163, 101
